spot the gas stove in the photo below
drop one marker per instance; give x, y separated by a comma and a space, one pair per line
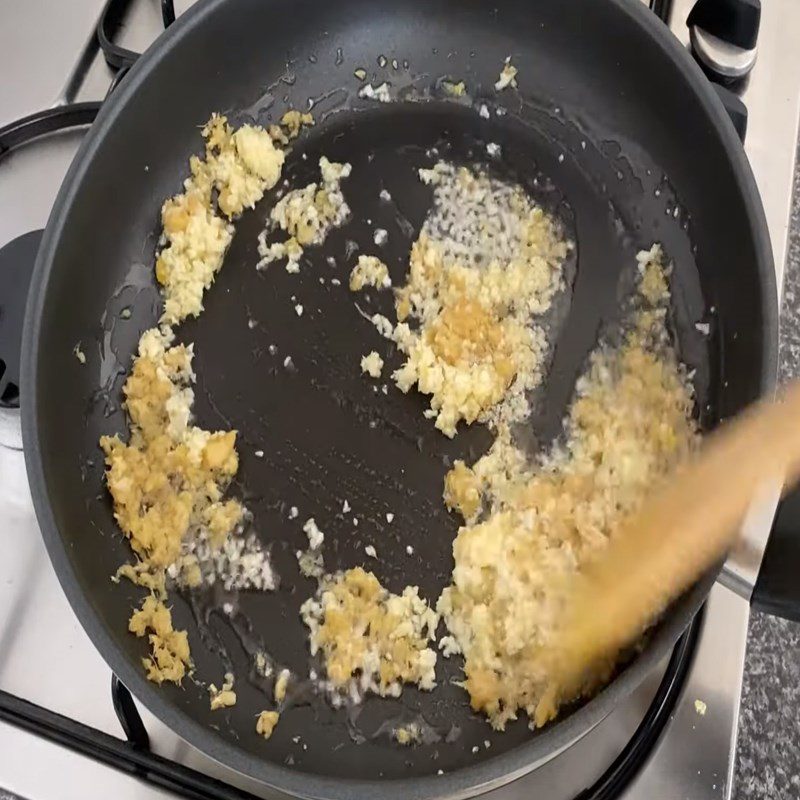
69, 729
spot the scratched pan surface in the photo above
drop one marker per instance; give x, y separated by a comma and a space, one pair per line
594, 135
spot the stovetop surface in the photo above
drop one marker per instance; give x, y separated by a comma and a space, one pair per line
45, 656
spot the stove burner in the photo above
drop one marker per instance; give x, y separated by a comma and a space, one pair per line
16, 267
133, 755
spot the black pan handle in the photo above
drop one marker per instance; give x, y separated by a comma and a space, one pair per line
731, 102
777, 588
737, 110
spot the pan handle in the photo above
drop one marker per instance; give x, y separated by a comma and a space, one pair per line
764, 566
777, 585
737, 110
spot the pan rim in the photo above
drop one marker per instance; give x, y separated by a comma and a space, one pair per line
467, 781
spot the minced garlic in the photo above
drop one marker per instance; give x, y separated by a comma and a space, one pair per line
240, 165
508, 76
281, 685
372, 364
380, 93
168, 481
169, 649
293, 121
315, 536
487, 261
700, 707
369, 271
224, 697
307, 215
408, 734
629, 425
170, 478
454, 89
371, 640
266, 722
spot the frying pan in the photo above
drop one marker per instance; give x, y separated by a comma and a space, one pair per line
614, 129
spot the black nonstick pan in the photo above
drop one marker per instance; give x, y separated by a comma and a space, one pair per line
613, 127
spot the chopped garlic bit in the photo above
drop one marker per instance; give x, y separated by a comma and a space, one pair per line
307, 215
380, 93
290, 126
458, 89
311, 563
293, 121
449, 646
239, 166
371, 640
265, 725
508, 76
700, 707
315, 535
281, 684
408, 734
262, 665
370, 551
79, 354
224, 697
369, 271
170, 656
384, 326
372, 364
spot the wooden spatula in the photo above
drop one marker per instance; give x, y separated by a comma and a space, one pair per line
680, 532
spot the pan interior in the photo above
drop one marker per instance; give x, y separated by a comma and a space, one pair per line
326, 435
